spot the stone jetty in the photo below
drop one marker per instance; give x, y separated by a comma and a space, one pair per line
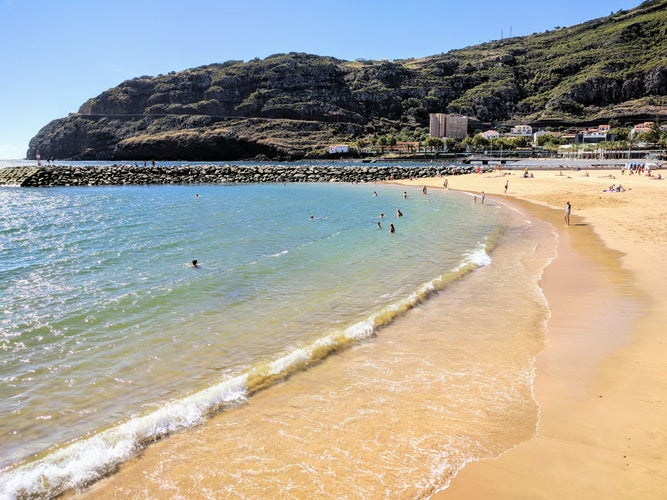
114, 175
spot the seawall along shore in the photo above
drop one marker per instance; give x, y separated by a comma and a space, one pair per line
215, 174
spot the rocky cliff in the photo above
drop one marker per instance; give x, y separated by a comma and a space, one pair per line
293, 105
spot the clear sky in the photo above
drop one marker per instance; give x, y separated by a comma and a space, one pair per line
56, 54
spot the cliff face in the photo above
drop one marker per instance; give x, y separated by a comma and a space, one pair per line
291, 105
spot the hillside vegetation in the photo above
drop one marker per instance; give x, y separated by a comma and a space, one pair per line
293, 105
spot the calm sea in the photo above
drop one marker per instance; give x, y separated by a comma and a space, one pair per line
110, 339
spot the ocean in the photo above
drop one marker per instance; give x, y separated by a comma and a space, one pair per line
311, 350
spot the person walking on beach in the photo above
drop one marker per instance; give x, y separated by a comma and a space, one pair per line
507, 183
483, 196
568, 209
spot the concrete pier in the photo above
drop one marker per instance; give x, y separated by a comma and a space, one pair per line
16, 176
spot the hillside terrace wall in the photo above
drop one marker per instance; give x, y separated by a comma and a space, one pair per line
114, 175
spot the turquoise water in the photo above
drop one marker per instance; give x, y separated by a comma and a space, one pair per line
110, 338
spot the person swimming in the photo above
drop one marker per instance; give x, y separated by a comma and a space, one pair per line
194, 263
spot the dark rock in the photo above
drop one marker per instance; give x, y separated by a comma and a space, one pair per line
214, 174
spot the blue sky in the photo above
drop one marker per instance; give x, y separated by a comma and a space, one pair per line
55, 54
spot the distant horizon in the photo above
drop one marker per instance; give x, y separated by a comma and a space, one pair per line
57, 56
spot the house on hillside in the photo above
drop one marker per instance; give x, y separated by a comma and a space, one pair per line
491, 134
338, 149
641, 128
521, 131
594, 135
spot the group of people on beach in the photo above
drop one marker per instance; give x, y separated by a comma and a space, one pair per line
640, 168
482, 197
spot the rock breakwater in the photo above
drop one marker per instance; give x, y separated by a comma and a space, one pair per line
114, 175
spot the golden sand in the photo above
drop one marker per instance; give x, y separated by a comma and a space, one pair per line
603, 424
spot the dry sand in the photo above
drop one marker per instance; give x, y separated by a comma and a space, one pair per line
602, 388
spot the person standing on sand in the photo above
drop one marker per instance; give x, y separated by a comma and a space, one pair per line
507, 183
483, 196
568, 209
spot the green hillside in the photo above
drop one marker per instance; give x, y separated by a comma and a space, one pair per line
293, 105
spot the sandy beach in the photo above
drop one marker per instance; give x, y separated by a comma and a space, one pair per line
601, 387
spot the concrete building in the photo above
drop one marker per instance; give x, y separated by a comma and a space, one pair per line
594, 135
446, 125
521, 131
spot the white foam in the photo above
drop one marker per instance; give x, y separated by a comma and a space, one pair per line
88, 459
478, 256
297, 357
362, 329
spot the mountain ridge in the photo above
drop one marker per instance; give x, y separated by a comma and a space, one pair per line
291, 106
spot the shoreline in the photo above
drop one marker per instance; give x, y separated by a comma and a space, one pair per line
364, 420
601, 432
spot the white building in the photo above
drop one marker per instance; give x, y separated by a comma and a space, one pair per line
338, 148
521, 131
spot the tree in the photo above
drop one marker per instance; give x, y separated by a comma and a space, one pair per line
653, 135
433, 143
450, 144
620, 133
479, 141
550, 141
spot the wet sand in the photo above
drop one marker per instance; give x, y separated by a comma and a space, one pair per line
601, 387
